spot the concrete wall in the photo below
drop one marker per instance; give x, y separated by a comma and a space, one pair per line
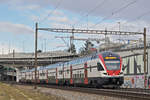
133, 66
134, 81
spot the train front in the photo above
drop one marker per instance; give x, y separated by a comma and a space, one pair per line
112, 65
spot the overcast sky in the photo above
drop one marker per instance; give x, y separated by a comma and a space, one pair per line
18, 17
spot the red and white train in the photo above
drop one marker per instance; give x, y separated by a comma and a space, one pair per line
96, 70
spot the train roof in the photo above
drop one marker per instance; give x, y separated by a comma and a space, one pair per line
75, 61
109, 53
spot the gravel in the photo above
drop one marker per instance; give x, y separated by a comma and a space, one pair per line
71, 95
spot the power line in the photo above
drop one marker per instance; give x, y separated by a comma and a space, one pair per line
139, 17
146, 13
50, 13
122, 8
91, 11
119, 10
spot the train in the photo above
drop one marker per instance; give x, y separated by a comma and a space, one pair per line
99, 70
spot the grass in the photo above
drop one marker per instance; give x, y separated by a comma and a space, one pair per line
12, 92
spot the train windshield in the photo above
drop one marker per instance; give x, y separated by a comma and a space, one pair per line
112, 65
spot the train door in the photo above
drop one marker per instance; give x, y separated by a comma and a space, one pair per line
149, 82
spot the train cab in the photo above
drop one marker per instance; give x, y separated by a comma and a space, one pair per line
112, 65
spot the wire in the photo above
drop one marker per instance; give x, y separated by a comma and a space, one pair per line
113, 13
91, 11
50, 13
122, 8
146, 13
137, 18
105, 18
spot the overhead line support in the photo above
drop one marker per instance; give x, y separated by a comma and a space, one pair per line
145, 73
82, 31
35, 64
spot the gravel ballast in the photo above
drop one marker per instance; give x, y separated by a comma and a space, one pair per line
71, 95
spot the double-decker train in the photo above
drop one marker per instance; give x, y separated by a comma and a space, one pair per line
98, 70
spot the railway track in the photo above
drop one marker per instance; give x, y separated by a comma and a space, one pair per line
135, 89
131, 94
120, 93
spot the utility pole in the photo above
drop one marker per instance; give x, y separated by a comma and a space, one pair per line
35, 64
2, 51
119, 25
145, 74
45, 44
23, 46
87, 22
13, 69
42, 46
119, 31
105, 37
71, 40
9, 48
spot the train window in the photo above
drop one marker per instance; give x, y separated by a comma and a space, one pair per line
78, 75
99, 67
82, 75
60, 72
40, 74
67, 71
43, 74
90, 68
80, 72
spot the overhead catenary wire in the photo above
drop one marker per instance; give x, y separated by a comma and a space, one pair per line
146, 13
113, 13
137, 18
90, 11
51, 12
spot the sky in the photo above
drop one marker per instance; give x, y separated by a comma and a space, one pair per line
18, 18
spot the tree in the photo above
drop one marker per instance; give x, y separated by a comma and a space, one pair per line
72, 49
39, 51
88, 45
82, 51
86, 49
